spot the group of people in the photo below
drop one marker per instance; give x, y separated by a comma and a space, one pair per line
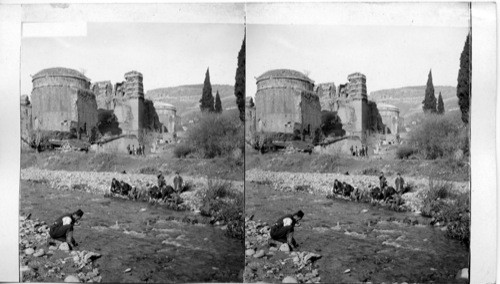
140, 150
361, 152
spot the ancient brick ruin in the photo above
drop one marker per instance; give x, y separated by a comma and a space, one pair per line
286, 103
64, 100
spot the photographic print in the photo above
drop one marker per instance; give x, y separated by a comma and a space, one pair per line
132, 153
357, 138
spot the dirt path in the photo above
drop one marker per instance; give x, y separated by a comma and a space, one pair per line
359, 242
150, 240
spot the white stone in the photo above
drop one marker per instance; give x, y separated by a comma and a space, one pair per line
290, 279
259, 254
64, 246
71, 278
249, 252
39, 253
29, 251
285, 248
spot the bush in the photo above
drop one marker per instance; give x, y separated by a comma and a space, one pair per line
433, 203
404, 152
216, 134
222, 203
182, 150
440, 136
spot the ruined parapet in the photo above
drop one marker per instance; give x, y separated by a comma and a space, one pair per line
285, 102
356, 88
62, 101
103, 91
326, 92
133, 85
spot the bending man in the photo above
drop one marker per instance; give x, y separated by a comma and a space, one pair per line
62, 228
282, 230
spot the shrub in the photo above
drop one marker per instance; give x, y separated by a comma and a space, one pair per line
182, 150
216, 134
404, 152
440, 136
222, 203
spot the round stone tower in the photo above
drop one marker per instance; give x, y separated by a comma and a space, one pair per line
285, 102
167, 116
62, 101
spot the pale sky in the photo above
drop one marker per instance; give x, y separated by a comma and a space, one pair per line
166, 54
390, 55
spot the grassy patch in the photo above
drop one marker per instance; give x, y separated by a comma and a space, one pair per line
224, 204
444, 206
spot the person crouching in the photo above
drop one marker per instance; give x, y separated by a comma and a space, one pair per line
62, 228
282, 230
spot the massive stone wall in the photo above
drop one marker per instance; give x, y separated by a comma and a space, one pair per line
103, 91
62, 101
285, 102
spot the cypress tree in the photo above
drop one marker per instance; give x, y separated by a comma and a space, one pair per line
239, 86
464, 79
207, 99
429, 103
440, 104
218, 103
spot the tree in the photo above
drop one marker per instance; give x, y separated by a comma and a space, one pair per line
218, 103
464, 79
207, 99
440, 104
239, 86
429, 103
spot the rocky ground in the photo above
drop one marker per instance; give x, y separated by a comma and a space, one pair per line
352, 242
275, 262
120, 240
322, 184
42, 260
100, 182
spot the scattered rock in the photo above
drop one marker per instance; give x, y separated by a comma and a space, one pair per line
273, 249
290, 279
463, 273
285, 248
71, 278
364, 210
142, 210
347, 271
259, 254
127, 270
39, 253
64, 246
249, 252
29, 251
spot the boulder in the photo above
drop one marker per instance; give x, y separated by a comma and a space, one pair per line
29, 251
259, 254
71, 279
64, 246
290, 279
249, 252
463, 273
285, 248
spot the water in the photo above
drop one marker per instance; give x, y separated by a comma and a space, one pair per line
358, 237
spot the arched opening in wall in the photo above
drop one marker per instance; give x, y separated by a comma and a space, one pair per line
309, 129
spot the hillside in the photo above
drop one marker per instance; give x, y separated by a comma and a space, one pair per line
187, 98
409, 99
